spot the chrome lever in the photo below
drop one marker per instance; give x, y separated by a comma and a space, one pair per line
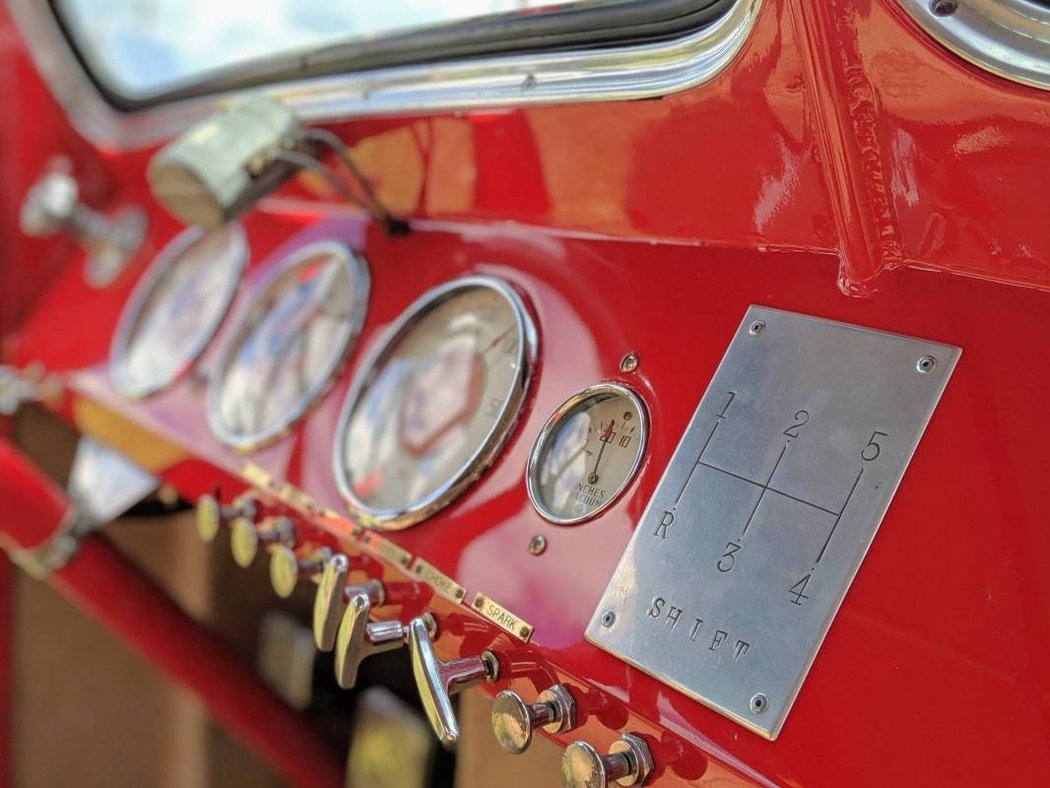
331, 599
360, 639
437, 680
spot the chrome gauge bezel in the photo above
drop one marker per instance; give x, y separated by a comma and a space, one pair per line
360, 280
495, 439
165, 259
569, 406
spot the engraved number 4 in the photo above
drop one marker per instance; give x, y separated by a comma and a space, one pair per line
799, 590
728, 559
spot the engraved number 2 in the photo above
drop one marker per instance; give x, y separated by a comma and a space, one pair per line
800, 420
728, 559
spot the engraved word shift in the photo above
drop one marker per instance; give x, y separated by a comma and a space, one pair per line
698, 632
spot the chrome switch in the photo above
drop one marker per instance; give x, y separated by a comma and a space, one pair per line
211, 516
437, 680
514, 720
246, 536
359, 639
286, 568
629, 762
332, 596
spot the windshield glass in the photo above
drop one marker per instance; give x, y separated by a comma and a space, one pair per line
143, 48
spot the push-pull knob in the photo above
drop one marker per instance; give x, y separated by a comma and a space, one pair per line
360, 639
246, 536
332, 596
514, 720
629, 762
211, 515
437, 680
286, 568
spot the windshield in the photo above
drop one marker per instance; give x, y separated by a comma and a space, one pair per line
143, 48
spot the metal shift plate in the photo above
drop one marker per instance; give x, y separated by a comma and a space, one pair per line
767, 508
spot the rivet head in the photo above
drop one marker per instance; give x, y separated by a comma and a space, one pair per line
756, 328
537, 544
629, 363
608, 619
759, 703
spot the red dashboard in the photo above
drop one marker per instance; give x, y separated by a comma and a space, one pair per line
840, 145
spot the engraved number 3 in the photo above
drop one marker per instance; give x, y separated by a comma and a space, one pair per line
728, 559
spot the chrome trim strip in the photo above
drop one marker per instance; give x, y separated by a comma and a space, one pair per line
361, 284
496, 437
1010, 38
618, 73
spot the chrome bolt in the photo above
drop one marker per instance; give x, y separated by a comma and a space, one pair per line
608, 619
537, 544
925, 364
756, 328
759, 703
629, 363
944, 7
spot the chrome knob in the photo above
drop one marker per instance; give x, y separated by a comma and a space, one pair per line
211, 516
331, 599
53, 205
246, 536
286, 567
359, 639
53, 202
629, 762
514, 720
437, 680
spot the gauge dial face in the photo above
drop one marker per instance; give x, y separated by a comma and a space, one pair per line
435, 403
176, 309
285, 351
587, 453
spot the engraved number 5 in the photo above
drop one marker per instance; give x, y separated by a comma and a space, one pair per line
871, 451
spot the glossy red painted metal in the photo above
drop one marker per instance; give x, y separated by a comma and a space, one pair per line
744, 191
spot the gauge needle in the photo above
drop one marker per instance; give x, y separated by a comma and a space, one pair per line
606, 436
496, 341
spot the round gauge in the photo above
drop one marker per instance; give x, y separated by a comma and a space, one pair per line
289, 345
587, 453
435, 402
176, 309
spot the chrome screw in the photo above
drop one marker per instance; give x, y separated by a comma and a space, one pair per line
759, 703
629, 363
925, 364
537, 544
944, 7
